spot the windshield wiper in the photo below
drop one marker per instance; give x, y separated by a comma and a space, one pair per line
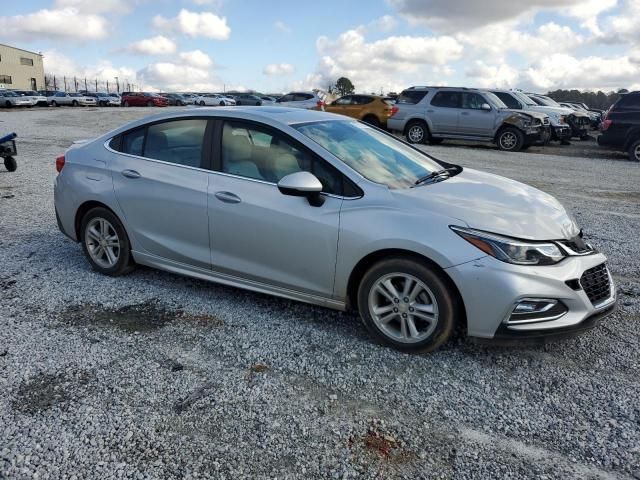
438, 173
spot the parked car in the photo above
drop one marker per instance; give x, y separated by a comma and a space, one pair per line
35, 97
212, 100
175, 99
10, 99
372, 109
56, 99
82, 100
432, 114
516, 100
307, 100
247, 99
594, 117
332, 212
621, 126
267, 100
104, 99
143, 99
577, 120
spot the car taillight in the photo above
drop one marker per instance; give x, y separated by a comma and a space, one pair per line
394, 110
59, 163
320, 104
606, 124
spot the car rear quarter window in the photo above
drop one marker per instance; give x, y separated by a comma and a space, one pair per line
411, 97
447, 100
133, 142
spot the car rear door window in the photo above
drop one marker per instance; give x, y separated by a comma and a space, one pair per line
447, 99
629, 100
411, 97
133, 142
362, 99
178, 141
301, 97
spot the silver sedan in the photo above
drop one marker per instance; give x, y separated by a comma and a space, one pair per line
323, 209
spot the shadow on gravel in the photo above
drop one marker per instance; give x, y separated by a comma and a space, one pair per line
46, 390
142, 317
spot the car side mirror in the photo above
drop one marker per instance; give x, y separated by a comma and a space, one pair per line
486, 107
302, 184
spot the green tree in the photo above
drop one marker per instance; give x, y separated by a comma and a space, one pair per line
344, 86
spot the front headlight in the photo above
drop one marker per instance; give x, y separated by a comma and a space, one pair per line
510, 250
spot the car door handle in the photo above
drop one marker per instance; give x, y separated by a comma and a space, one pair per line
464, 113
429, 111
130, 174
228, 197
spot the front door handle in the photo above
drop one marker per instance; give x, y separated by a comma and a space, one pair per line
130, 174
228, 197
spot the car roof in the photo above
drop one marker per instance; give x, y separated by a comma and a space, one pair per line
281, 116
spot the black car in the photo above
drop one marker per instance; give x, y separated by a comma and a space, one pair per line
621, 126
175, 99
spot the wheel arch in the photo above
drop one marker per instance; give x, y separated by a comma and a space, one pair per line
503, 127
365, 263
82, 211
414, 119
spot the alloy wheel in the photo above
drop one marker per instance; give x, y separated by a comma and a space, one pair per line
636, 152
508, 140
416, 134
403, 307
103, 243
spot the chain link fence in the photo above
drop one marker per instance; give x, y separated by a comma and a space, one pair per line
64, 83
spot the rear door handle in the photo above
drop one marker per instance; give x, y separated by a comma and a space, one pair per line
464, 113
130, 174
228, 197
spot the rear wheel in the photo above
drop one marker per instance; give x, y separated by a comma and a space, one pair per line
105, 242
7, 104
372, 120
149, 103
202, 103
417, 132
126, 103
510, 139
634, 151
74, 103
10, 164
407, 304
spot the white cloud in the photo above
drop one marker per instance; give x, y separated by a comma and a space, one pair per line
499, 76
385, 23
589, 10
196, 58
158, 45
60, 65
623, 28
278, 69
66, 23
96, 6
193, 24
283, 27
461, 15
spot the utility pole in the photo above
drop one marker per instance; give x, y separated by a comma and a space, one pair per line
117, 85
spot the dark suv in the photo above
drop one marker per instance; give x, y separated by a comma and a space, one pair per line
621, 126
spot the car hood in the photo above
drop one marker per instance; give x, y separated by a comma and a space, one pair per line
556, 110
494, 204
531, 113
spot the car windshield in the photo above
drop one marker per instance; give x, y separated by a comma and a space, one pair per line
549, 102
374, 155
524, 99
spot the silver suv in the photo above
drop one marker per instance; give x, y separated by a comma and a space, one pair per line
436, 113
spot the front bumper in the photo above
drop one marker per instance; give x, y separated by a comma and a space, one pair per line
490, 290
561, 132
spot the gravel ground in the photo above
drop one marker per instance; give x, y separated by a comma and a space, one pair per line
159, 376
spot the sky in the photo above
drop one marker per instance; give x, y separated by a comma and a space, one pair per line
380, 45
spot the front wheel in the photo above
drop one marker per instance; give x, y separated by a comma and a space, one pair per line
105, 242
10, 164
510, 140
407, 304
634, 151
149, 103
202, 103
417, 132
74, 103
126, 103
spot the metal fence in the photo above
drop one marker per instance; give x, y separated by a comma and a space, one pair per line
65, 83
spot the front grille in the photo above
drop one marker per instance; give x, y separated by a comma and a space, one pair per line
595, 283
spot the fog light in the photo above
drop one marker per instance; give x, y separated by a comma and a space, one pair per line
530, 310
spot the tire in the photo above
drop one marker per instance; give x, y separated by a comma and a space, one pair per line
10, 164
202, 103
417, 132
634, 151
149, 103
510, 139
372, 120
74, 103
396, 330
93, 230
435, 141
585, 137
7, 104
222, 104
54, 103
126, 103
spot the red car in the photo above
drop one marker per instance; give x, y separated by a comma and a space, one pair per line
143, 99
